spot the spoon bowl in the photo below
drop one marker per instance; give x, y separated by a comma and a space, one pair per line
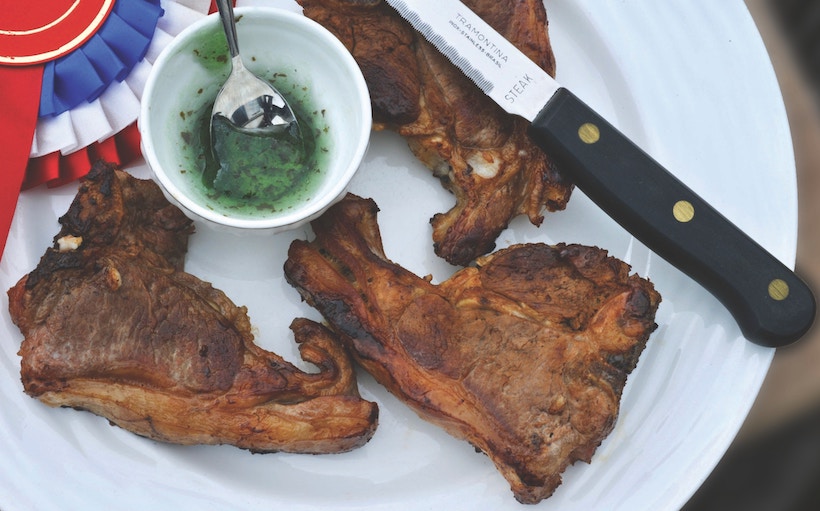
249, 102
246, 100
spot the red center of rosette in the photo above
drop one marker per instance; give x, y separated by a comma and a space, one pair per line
36, 32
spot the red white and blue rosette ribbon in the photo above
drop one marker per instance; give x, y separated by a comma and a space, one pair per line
89, 100
109, 55
72, 74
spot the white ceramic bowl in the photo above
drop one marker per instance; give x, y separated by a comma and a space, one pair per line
302, 59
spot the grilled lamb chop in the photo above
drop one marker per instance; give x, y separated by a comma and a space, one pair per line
525, 355
114, 326
481, 154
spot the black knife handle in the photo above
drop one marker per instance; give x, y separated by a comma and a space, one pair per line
771, 304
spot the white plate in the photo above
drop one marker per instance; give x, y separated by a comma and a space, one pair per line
691, 82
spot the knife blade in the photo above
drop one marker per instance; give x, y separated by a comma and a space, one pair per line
771, 304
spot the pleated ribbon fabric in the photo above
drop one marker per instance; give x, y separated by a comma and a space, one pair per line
72, 74
92, 102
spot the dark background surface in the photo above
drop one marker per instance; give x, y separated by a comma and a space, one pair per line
774, 463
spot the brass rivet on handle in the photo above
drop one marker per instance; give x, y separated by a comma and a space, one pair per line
589, 133
778, 289
684, 211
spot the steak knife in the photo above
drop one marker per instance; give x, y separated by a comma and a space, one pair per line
772, 306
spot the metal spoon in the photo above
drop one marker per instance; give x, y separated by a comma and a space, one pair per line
246, 100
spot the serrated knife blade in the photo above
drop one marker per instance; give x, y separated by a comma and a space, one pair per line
770, 303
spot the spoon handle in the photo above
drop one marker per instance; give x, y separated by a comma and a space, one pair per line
228, 23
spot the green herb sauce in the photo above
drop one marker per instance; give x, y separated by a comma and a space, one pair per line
253, 176
257, 165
